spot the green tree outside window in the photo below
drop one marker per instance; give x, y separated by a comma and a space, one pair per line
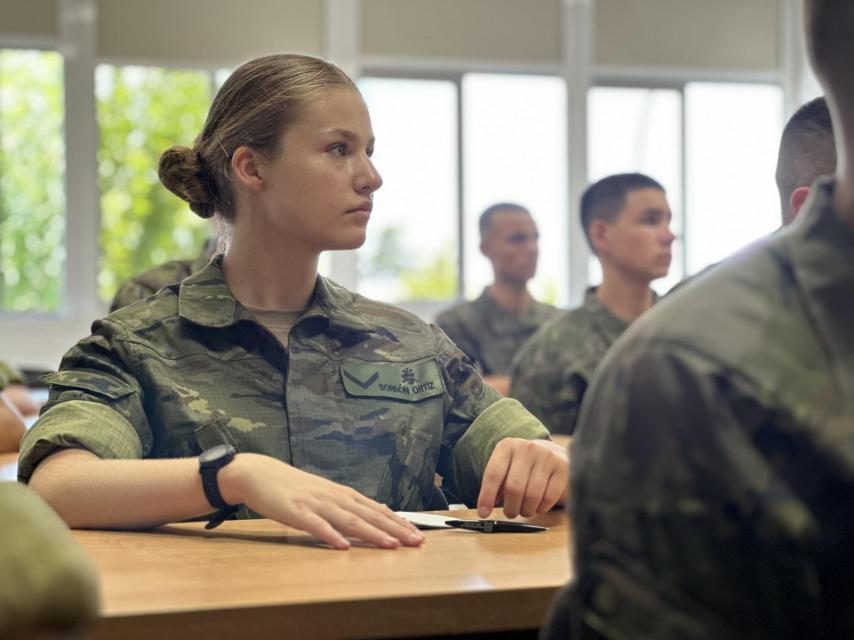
32, 193
141, 112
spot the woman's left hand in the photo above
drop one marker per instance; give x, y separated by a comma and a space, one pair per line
529, 476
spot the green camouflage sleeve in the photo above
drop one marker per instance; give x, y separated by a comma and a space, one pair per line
478, 419
95, 403
670, 497
548, 386
455, 328
8, 375
129, 292
48, 583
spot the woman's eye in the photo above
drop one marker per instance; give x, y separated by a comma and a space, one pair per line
340, 149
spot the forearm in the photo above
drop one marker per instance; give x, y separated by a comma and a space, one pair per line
500, 382
90, 492
12, 427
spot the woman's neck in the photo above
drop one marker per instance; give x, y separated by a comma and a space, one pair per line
266, 275
626, 298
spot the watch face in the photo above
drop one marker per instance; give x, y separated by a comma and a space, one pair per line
216, 454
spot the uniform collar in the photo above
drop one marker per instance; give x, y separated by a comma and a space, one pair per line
821, 249
610, 322
503, 321
205, 299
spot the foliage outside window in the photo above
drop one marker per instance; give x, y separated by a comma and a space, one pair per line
142, 112
32, 194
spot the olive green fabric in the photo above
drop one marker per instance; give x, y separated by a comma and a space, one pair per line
489, 334
151, 281
47, 582
8, 375
552, 370
190, 367
712, 491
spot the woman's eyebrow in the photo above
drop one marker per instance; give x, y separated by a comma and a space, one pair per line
346, 133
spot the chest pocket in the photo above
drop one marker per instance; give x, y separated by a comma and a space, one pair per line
374, 426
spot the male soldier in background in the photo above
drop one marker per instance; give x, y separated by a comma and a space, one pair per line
807, 151
156, 278
626, 219
713, 463
491, 329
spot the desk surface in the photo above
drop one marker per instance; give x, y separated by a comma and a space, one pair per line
256, 578
8, 466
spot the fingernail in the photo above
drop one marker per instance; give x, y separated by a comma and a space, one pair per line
416, 537
392, 542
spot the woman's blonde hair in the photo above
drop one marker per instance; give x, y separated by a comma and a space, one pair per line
253, 108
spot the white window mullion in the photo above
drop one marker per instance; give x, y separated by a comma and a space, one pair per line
77, 43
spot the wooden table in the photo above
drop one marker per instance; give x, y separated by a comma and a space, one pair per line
257, 578
8, 467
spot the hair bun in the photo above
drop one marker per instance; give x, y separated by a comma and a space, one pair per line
182, 171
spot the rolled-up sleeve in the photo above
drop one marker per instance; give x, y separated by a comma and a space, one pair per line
95, 403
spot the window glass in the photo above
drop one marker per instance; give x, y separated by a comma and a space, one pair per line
514, 148
141, 112
732, 139
637, 129
32, 169
411, 248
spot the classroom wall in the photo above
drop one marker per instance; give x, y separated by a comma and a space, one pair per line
207, 32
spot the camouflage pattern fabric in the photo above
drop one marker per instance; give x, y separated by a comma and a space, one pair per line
713, 463
489, 334
162, 275
8, 375
366, 395
552, 370
47, 584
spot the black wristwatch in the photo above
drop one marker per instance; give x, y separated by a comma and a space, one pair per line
210, 462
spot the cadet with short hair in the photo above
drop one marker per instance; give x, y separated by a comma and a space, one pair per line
626, 220
713, 463
491, 328
151, 281
258, 386
807, 151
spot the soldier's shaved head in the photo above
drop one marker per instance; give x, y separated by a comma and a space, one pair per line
807, 151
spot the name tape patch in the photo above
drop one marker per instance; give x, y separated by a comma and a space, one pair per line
408, 381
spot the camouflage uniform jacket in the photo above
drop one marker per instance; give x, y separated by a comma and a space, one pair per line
8, 375
160, 276
713, 463
552, 370
366, 395
489, 334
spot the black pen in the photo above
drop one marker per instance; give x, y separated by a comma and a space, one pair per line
495, 526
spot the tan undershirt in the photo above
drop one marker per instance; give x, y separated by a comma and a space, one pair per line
279, 323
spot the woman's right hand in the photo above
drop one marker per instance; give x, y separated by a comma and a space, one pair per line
325, 509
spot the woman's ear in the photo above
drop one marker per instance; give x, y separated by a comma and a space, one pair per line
246, 168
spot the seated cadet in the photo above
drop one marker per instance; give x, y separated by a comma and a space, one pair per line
807, 151
713, 463
48, 585
626, 219
257, 382
12, 427
16, 393
156, 278
491, 329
